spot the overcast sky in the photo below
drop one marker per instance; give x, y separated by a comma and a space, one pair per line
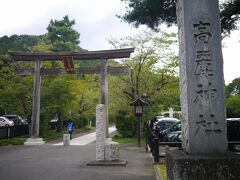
95, 20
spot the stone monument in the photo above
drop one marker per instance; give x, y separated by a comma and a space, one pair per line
204, 134
100, 132
107, 151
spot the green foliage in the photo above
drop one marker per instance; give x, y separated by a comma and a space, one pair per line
155, 12
15, 94
125, 123
233, 106
233, 88
127, 140
52, 135
20, 43
153, 70
62, 35
150, 12
233, 98
230, 16
12, 141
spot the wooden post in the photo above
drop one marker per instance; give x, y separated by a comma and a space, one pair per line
36, 101
104, 90
139, 130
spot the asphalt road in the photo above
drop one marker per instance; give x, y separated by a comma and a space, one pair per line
49, 162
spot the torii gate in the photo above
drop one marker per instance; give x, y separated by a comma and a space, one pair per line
103, 56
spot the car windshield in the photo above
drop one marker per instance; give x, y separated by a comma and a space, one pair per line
3, 118
176, 127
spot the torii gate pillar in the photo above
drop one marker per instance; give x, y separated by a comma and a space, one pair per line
104, 90
34, 136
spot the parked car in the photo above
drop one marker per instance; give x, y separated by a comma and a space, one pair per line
164, 123
173, 133
5, 121
167, 134
16, 119
173, 136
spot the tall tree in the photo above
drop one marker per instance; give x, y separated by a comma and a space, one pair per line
63, 38
152, 66
62, 35
150, 12
155, 12
150, 49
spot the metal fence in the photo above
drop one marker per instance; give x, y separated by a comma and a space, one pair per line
153, 143
13, 131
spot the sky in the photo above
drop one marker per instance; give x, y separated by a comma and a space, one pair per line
96, 21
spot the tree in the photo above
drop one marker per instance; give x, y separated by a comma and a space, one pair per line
155, 12
150, 12
62, 35
230, 15
20, 43
152, 66
63, 38
57, 98
233, 88
233, 104
150, 49
233, 98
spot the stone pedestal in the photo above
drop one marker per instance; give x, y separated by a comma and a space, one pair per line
66, 139
34, 141
181, 166
111, 150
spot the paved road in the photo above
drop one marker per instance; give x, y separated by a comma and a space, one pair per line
48, 162
86, 139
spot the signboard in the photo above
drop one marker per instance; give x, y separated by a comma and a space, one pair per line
68, 63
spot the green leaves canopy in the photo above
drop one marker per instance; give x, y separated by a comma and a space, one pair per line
155, 12
62, 35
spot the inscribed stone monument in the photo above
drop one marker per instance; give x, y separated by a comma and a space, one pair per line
100, 132
201, 77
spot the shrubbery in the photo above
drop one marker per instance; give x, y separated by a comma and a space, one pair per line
125, 123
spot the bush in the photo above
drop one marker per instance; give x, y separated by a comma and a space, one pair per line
125, 124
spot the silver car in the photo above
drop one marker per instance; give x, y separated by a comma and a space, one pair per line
5, 122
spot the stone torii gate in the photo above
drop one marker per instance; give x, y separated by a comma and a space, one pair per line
103, 56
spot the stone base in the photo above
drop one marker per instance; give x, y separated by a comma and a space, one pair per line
181, 166
111, 150
34, 142
107, 163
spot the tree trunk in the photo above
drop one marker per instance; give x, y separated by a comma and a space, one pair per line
59, 122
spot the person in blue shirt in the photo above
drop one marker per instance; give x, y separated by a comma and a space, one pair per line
70, 128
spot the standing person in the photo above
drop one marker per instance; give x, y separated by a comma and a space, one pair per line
70, 128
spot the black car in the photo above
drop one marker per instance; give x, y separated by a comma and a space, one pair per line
170, 133
164, 123
16, 119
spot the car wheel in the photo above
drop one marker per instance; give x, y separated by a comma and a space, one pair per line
6, 125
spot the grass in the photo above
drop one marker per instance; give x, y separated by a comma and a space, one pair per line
52, 135
126, 140
12, 141
163, 171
